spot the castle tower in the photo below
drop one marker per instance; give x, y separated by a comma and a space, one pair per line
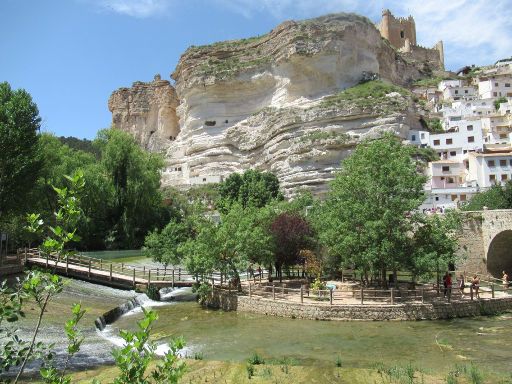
397, 30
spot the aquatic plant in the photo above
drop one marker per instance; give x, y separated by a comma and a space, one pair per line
256, 359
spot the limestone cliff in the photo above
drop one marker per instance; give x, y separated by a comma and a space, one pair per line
148, 112
273, 102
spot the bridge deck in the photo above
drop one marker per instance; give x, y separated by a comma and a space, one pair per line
128, 278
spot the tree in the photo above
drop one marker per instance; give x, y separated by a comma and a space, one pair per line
230, 246
252, 188
496, 197
135, 205
366, 220
163, 246
20, 161
291, 234
434, 244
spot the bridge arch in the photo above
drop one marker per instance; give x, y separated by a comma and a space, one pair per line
499, 255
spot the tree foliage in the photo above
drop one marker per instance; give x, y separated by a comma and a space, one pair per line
496, 197
20, 161
366, 220
291, 233
252, 188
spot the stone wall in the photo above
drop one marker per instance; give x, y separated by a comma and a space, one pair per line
429, 311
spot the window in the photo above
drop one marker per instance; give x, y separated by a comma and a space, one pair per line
437, 198
503, 163
510, 162
446, 168
462, 197
464, 151
454, 197
491, 163
507, 85
492, 178
504, 177
453, 153
451, 180
413, 137
495, 94
503, 135
449, 141
469, 128
437, 142
456, 92
495, 84
179, 169
465, 91
204, 179
471, 139
402, 34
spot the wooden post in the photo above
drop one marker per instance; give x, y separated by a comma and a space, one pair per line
392, 293
101, 264
89, 273
362, 296
26, 255
47, 260
149, 277
492, 291
273, 291
250, 290
330, 295
172, 283
471, 292
143, 271
282, 289
134, 285
302, 294
165, 272
67, 264
422, 296
122, 267
179, 274
110, 271
157, 273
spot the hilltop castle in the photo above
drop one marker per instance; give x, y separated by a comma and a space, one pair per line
401, 33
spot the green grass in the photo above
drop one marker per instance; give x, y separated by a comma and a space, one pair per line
369, 95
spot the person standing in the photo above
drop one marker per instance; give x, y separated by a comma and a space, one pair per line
461, 285
505, 280
449, 286
475, 283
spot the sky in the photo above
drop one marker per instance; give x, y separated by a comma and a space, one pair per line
70, 55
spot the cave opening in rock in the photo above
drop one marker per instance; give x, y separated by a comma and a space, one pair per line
499, 256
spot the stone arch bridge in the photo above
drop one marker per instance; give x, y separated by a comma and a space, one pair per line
485, 243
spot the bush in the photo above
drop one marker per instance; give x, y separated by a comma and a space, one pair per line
256, 359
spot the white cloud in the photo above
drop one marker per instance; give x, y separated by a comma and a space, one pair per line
135, 8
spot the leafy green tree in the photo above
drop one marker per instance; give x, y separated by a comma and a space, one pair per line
230, 246
434, 243
20, 161
164, 246
136, 203
366, 220
498, 101
252, 188
496, 197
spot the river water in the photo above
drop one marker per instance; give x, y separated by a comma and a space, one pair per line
234, 336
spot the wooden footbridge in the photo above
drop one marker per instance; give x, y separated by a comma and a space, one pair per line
116, 275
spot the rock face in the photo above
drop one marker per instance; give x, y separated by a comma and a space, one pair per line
148, 112
271, 103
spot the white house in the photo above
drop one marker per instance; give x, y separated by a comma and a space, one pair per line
495, 86
490, 168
